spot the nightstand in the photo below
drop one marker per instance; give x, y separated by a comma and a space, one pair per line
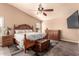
7, 40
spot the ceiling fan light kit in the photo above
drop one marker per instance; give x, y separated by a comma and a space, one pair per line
41, 10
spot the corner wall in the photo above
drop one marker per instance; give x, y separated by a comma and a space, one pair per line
71, 35
13, 16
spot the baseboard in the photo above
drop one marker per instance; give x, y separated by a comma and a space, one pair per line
70, 41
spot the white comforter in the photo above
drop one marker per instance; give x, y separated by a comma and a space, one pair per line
31, 36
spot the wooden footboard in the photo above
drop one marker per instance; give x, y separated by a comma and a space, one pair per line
28, 43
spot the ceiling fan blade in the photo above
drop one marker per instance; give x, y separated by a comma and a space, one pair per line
48, 10
44, 14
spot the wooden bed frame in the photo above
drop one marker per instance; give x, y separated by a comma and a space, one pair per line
27, 43
51, 34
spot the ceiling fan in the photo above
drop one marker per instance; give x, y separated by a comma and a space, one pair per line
42, 10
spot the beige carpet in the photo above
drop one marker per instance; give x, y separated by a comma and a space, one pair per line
4, 51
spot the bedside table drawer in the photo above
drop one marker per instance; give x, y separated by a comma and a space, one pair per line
7, 40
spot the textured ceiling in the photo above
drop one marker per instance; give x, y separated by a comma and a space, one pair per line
60, 10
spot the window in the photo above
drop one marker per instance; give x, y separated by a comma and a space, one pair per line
38, 27
1, 22
1, 25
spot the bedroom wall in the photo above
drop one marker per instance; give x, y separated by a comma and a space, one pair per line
13, 16
71, 35
60, 22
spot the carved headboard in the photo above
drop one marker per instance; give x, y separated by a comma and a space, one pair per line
22, 27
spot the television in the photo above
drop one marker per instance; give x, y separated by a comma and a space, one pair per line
73, 20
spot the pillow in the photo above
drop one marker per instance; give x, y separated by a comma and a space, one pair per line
19, 31
28, 31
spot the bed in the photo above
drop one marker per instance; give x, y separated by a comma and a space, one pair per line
25, 36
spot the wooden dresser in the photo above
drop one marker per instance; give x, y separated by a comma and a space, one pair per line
53, 34
7, 40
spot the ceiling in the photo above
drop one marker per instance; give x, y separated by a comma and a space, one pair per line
60, 9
